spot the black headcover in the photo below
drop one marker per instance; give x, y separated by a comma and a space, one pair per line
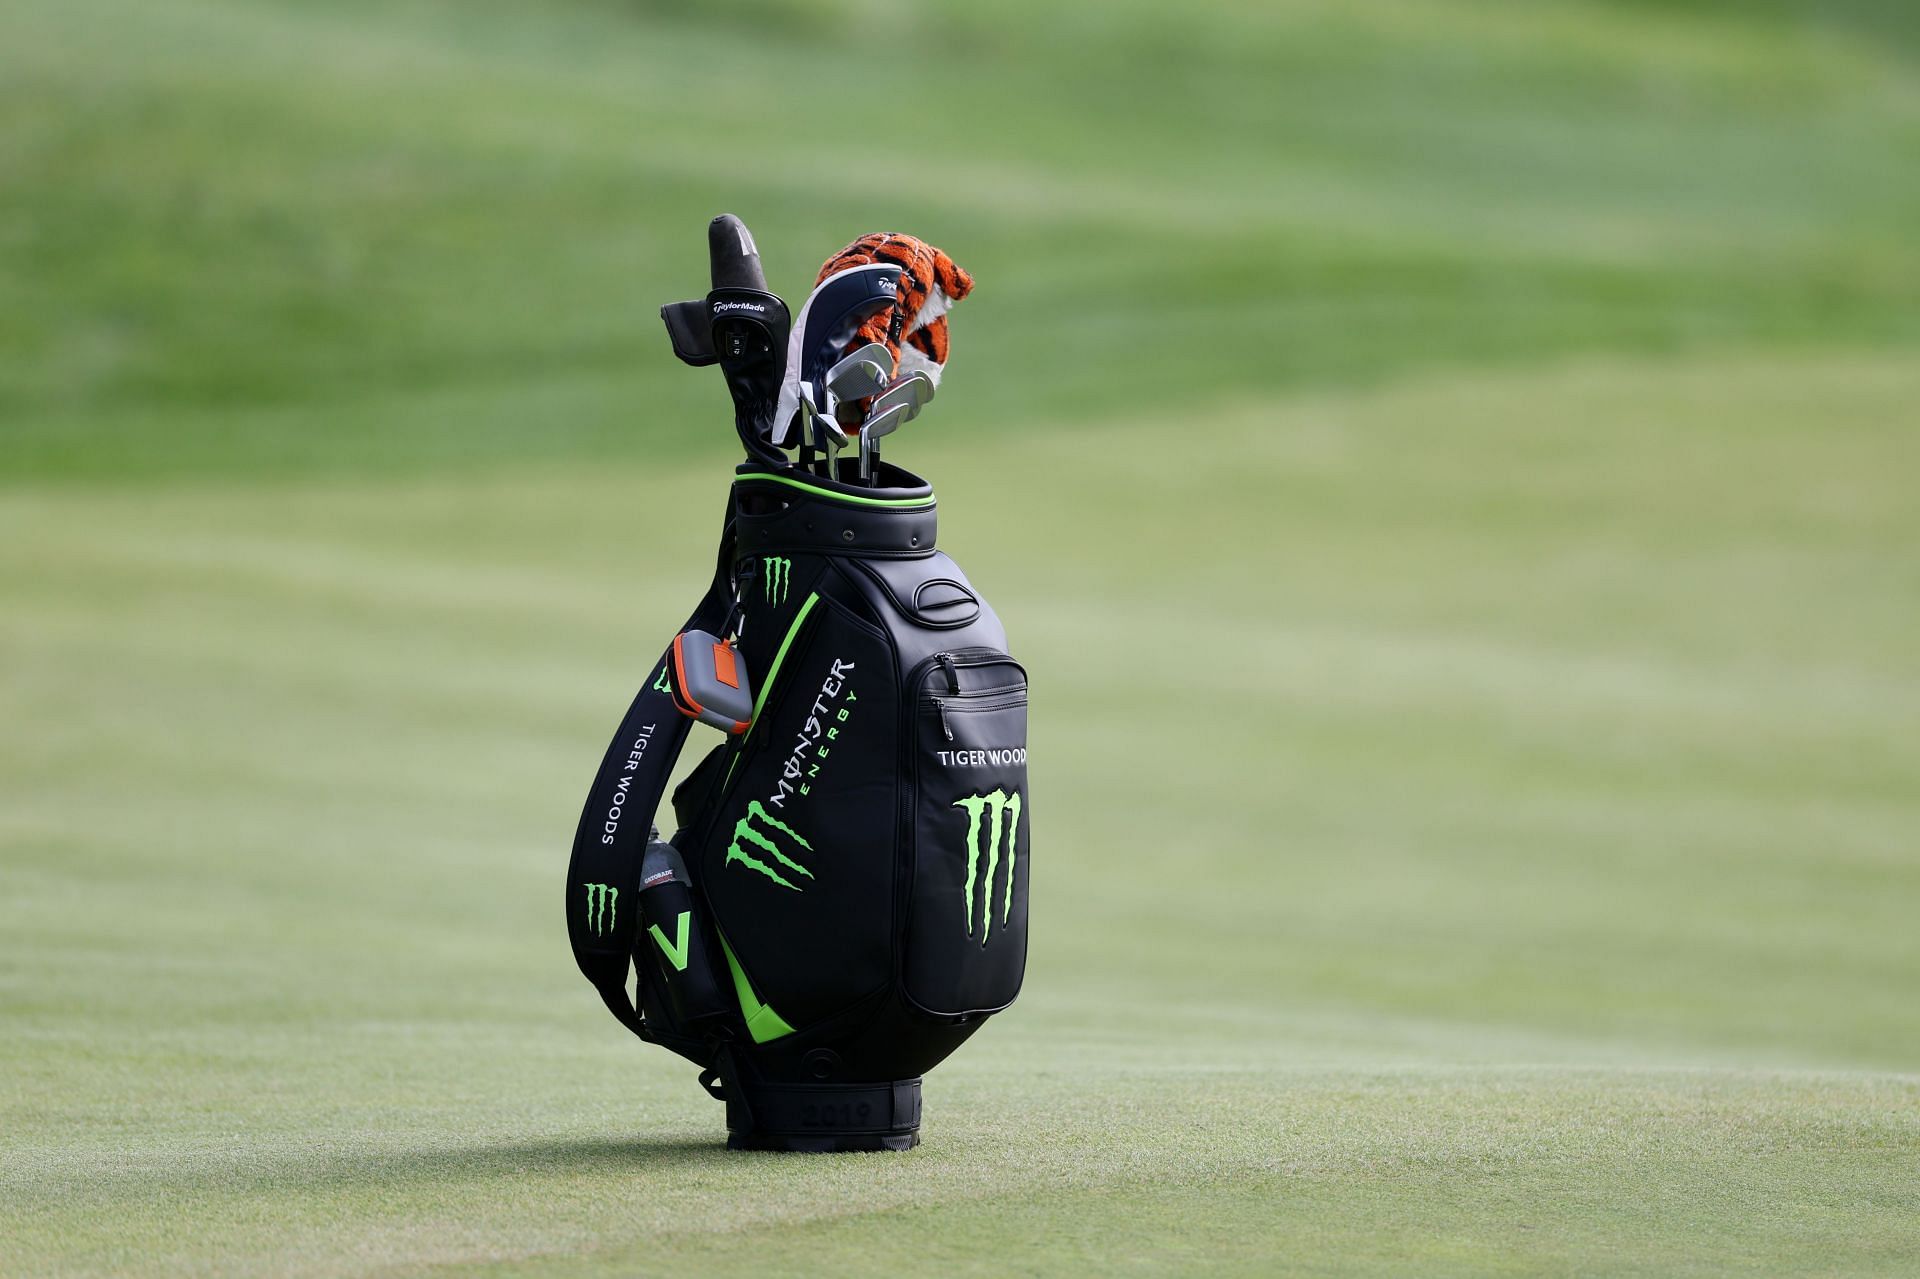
829, 324
742, 327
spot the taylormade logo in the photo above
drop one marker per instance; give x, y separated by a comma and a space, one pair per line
988, 816
755, 307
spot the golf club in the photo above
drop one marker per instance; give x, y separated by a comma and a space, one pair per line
828, 435
913, 390
861, 374
832, 314
885, 422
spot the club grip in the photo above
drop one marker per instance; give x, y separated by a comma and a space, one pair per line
735, 258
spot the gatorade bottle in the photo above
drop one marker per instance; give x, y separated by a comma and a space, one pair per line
671, 931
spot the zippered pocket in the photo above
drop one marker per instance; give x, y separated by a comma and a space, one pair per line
969, 837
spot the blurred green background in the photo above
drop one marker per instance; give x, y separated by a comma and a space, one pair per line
1512, 402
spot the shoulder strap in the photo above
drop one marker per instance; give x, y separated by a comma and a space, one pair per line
603, 875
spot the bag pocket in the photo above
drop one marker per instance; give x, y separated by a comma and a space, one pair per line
965, 948
797, 861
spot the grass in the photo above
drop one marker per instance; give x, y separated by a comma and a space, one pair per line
1522, 882
288, 236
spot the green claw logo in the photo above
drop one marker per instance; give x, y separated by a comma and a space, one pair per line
749, 841
660, 683
778, 575
603, 908
988, 811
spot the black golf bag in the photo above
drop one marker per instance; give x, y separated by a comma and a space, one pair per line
844, 897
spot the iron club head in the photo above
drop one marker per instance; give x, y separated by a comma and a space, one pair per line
913, 390
861, 374
880, 424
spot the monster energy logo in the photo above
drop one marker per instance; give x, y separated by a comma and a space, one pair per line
748, 842
602, 908
778, 576
986, 811
660, 684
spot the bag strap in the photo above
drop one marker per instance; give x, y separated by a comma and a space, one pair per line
603, 875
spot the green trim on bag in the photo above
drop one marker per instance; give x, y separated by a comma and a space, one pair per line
831, 495
763, 1023
773, 672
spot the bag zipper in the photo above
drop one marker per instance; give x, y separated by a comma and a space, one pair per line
950, 663
986, 699
953, 687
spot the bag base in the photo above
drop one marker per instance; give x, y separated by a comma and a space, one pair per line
824, 1118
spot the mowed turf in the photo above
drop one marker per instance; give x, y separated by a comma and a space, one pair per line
1519, 875
1448, 469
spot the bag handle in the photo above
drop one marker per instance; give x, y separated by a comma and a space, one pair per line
603, 874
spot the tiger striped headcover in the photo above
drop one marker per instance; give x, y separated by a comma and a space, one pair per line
930, 283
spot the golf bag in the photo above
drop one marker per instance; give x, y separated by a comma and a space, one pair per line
844, 898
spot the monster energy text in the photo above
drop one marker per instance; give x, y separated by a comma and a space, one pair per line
985, 814
815, 738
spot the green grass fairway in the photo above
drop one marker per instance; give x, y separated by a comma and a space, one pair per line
1518, 398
